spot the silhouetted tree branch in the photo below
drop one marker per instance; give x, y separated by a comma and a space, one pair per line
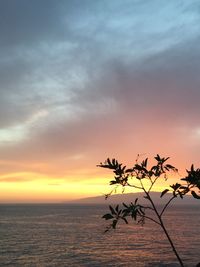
140, 172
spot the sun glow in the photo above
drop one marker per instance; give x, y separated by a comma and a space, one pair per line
33, 187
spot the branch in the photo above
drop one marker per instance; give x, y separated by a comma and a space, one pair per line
167, 204
149, 218
150, 208
131, 185
142, 186
152, 184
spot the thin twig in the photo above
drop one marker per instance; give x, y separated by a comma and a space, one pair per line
149, 218
152, 184
137, 187
167, 204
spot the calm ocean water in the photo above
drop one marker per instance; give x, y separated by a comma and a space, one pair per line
72, 235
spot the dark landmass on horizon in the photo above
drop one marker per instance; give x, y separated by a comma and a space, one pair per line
130, 197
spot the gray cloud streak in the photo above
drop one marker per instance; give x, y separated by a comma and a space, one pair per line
104, 82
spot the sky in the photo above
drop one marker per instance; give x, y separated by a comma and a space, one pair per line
84, 80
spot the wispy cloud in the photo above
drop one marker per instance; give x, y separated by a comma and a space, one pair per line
97, 78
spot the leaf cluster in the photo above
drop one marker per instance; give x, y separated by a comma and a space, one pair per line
118, 169
193, 180
125, 177
192, 184
133, 210
138, 171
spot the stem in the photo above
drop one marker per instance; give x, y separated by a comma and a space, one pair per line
171, 243
149, 218
152, 184
163, 227
166, 205
161, 221
147, 207
138, 187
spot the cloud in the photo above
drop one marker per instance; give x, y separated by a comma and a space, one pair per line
24, 23
125, 100
51, 49
107, 77
15, 179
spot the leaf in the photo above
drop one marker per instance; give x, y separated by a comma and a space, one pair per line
114, 224
129, 170
125, 220
154, 168
107, 216
158, 158
117, 208
170, 166
134, 215
123, 169
164, 192
141, 211
113, 161
192, 167
109, 162
183, 187
125, 205
184, 179
175, 186
180, 194
145, 162
194, 194
165, 159
112, 210
113, 182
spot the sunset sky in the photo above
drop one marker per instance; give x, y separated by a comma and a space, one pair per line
84, 80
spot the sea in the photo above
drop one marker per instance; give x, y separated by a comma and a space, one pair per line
37, 235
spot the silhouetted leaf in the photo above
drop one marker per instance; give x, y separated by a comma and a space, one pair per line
117, 208
192, 167
141, 211
114, 224
109, 162
129, 170
175, 186
125, 205
194, 194
165, 159
164, 192
112, 210
170, 166
113, 182
124, 219
158, 158
134, 215
107, 216
183, 187
145, 162
180, 194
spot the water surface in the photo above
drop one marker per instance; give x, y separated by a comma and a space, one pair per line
72, 235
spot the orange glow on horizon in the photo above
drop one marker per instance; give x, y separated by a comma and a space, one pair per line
26, 187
